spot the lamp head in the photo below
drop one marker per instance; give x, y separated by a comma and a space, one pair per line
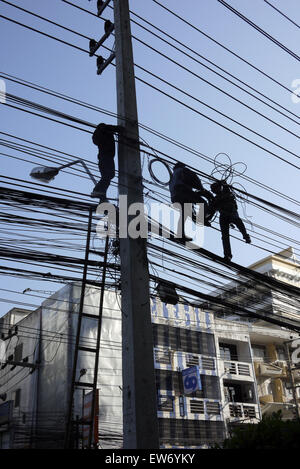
44, 173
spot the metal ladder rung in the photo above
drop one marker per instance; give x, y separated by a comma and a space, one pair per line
87, 349
84, 385
90, 316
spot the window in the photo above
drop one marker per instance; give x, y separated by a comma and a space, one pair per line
162, 356
228, 351
165, 403
213, 408
168, 380
208, 363
18, 353
186, 340
281, 355
17, 397
192, 432
259, 351
196, 407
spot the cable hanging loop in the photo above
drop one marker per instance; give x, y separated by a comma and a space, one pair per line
158, 181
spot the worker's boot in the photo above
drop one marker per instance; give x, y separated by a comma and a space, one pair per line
247, 239
99, 195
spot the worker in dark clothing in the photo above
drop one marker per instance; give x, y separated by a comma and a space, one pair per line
103, 137
225, 203
181, 185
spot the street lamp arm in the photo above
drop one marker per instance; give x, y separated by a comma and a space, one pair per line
46, 173
85, 167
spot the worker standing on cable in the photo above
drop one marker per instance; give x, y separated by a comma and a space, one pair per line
181, 186
225, 203
103, 137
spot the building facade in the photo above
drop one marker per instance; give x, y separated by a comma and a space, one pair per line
242, 366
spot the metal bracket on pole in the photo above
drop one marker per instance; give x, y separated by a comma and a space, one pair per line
85, 167
101, 6
94, 46
102, 65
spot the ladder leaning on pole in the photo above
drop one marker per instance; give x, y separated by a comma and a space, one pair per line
75, 383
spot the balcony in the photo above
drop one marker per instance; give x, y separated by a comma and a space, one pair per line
241, 411
237, 369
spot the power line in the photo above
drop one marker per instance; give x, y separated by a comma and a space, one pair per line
215, 65
43, 33
277, 207
210, 84
160, 136
46, 90
224, 47
260, 30
198, 76
281, 13
64, 246
65, 116
42, 18
219, 124
174, 99
244, 270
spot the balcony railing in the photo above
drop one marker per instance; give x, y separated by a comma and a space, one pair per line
237, 368
242, 411
198, 406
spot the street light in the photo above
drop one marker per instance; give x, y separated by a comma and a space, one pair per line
48, 173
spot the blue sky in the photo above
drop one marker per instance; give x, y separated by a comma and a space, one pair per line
46, 62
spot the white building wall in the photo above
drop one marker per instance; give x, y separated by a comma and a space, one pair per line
20, 383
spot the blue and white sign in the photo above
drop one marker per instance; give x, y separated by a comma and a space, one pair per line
191, 380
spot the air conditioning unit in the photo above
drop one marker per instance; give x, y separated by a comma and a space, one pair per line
270, 370
280, 363
296, 374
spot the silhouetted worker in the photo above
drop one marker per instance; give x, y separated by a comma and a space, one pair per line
103, 137
181, 185
225, 203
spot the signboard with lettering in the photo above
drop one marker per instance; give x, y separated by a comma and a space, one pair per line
295, 357
191, 380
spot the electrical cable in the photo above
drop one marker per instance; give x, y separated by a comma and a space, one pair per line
260, 30
281, 13
101, 110
224, 47
212, 63
171, 97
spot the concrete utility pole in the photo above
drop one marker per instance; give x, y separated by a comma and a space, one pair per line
139, 390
